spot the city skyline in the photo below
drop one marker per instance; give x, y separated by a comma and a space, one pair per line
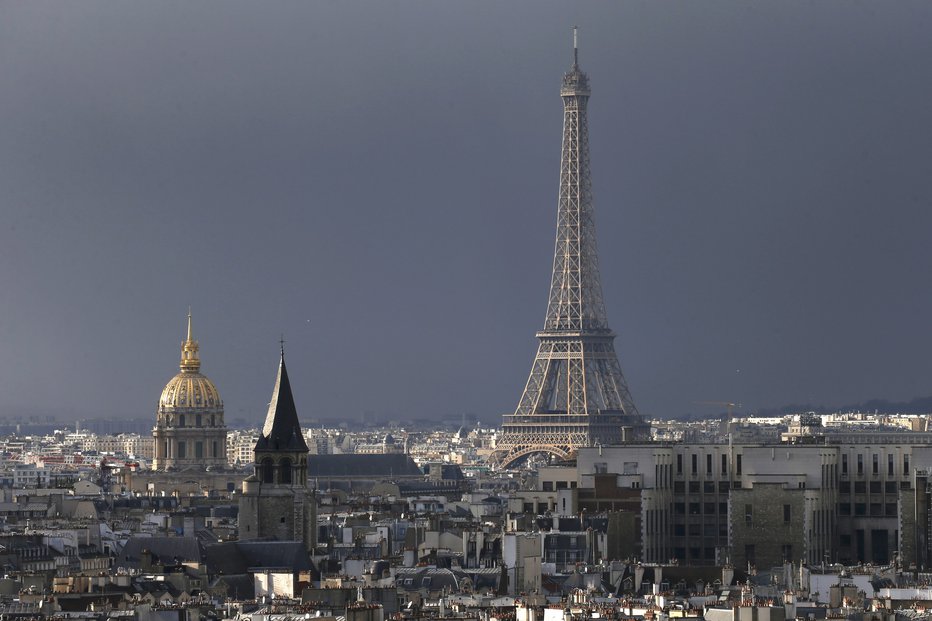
378, 184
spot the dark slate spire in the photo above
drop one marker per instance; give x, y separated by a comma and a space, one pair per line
282, 431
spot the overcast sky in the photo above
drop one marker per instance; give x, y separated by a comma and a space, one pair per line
378, 181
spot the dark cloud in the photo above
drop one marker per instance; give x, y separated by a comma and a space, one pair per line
377, 180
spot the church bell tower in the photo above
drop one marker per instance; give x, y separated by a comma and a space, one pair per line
276, 503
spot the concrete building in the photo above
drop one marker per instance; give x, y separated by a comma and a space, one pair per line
849, 498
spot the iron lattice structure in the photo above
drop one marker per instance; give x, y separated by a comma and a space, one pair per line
576, 394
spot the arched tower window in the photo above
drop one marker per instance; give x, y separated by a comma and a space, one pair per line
197, 420
285, 470
181, 420
268, 470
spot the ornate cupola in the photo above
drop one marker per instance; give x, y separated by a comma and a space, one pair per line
189, 429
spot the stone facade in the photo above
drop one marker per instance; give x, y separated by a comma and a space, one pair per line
768, 525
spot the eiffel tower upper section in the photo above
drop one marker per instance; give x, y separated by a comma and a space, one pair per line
576, 394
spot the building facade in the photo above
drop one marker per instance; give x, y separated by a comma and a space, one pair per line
849, 498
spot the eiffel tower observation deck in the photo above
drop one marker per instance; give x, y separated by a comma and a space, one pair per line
576, 394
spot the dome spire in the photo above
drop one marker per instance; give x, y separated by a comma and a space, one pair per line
190, 359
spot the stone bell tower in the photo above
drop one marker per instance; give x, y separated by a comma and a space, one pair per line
276, 502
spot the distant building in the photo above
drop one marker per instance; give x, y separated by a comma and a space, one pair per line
190, 431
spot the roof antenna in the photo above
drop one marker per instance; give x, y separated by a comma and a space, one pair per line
281, 342
575, 48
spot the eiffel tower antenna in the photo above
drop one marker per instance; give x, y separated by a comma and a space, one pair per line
575, 48
576, 394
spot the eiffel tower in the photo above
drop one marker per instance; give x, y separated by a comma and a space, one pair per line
576, 394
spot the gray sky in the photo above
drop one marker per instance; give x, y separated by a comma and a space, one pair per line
378, 180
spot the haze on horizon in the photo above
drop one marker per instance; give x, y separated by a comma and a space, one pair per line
378, 182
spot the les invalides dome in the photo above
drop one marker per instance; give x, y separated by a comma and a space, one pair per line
190, 432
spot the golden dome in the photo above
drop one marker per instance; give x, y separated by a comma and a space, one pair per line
190, 392
190, 389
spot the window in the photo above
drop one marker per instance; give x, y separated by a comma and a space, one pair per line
708, 487
694, 530
268, 470
708, 463
181, 420
844, 508
679, 530
197, 420
889, 464
738, 464
890, 487
787, 514
679, 487
844, 487
285, 468
724, 464
199, 450
695, 463
723, 508
905, 464
182, 450
860, 487
844, 463
694, 487
860, 464
215, 453
748, 515
601, 467
860, 508
723, 487
875, 463
709, 508
679, 464
787, 552
876, 509
694, 508
875, 487
548, 486
889, 509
